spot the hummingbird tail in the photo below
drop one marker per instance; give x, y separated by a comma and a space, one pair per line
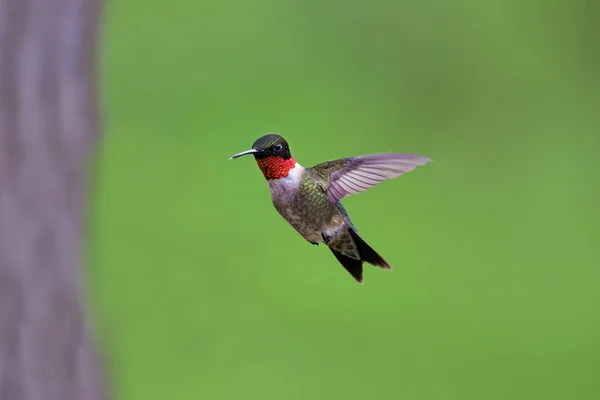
352, 265
367, 253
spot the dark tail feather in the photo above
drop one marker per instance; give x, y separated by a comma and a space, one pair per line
367, 253
353, 266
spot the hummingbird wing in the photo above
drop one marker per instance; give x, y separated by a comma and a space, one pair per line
347, 176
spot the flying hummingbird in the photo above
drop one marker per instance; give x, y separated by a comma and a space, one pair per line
309, 198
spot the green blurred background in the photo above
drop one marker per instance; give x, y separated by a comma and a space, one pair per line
202, 290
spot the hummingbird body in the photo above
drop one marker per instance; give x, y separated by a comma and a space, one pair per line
309, 198
301, 201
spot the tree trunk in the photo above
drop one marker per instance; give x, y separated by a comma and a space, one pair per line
48, 127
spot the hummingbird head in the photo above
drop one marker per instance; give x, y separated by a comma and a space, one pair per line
272, 154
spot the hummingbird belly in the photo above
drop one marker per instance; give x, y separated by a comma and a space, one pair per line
311, 223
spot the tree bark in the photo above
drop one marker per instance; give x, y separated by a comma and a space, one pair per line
48, 128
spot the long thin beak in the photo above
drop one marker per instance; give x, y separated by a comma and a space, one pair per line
243, 153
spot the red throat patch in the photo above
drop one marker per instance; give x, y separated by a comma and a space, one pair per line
275, 167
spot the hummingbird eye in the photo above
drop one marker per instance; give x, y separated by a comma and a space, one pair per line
277, 148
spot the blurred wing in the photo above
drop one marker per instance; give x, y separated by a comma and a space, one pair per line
347, 176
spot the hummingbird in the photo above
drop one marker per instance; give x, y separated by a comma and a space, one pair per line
309, 198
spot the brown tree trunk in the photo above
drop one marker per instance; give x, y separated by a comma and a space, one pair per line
48, 127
